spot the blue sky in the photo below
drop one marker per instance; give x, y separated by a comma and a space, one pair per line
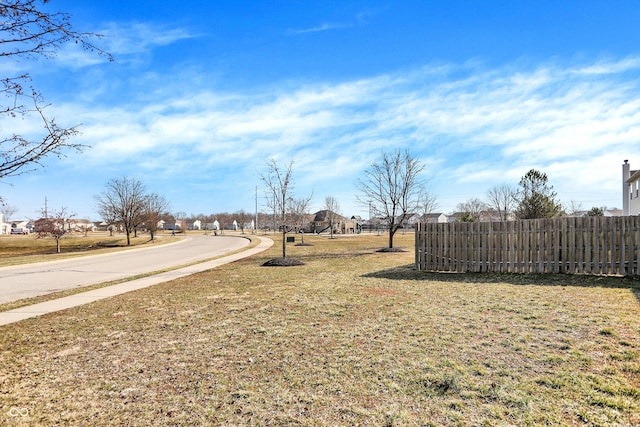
202, 93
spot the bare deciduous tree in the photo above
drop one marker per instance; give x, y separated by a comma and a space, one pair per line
28, 31
392, 187
333, 211
470, 210
279, 189
574, 208
8, 211
122, 202
154, 206
502, 199
181, 221
54, 225
243, 217
428, 202
299, 208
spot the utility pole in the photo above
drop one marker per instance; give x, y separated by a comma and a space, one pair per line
255, 226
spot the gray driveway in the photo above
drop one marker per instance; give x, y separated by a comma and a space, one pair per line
29, 280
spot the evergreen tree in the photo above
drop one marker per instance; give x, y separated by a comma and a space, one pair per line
595, 211
536, 198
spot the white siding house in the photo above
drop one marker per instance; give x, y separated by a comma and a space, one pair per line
435, 218
630, 190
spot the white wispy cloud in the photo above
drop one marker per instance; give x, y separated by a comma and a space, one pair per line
137, 37
319, 28
474, 127
610, 66
328, 26
126, 42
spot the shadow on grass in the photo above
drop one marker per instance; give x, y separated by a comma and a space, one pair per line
408, 272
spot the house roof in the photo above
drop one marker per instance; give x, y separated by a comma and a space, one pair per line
322, 215
635, 176
613, 212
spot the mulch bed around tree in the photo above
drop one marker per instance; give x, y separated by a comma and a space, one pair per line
283, 262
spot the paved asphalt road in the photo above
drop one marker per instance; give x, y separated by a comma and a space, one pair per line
29, 280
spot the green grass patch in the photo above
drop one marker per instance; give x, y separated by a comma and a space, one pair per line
352, 337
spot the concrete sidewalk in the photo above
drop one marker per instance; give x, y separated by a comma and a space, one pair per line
34, 310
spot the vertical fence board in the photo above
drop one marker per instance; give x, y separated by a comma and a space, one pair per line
555, 236
596, 242
622, 255
637, 245
615, 244
636, 240
440, 249
457, 254
605, 250
588, 254
540, 249
525, 248
484, 244
571, 246
509, 251
490, 248
579, 245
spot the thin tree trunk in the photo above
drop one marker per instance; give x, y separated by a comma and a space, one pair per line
284, 242
391, 234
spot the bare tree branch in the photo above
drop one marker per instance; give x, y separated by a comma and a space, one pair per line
393, 187
279, 189
26, 32
122, 202
333, 210
56, 225
154, 206
502, 199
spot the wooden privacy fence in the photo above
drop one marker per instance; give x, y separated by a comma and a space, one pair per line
585, 245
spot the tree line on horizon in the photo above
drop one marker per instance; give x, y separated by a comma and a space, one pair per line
533, 198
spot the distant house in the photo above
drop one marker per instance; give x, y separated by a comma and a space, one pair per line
341, 224
15, 227
434, 218
411, 221
630, 190
163, 225
82, 225
613, 212
606, 212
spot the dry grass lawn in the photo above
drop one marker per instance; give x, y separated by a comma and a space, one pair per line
353, 337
